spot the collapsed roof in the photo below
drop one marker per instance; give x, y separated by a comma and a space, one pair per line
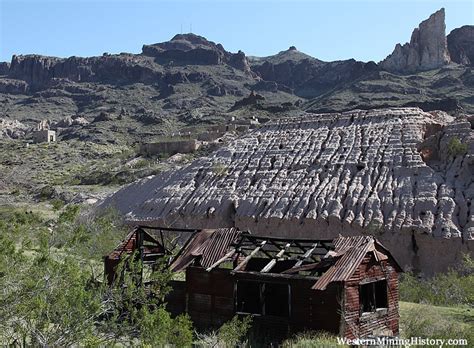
330, 260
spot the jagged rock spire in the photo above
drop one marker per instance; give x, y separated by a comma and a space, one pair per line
427, 49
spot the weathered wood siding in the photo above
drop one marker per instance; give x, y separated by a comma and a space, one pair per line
210, 296
380, 322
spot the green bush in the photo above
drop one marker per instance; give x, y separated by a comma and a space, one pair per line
234, 331
57, 204
456, 147
141, 163
220, 169
428, 323
455, 287
51, 296
46, 192
157, 328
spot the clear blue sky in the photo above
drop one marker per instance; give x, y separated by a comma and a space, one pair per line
329, 30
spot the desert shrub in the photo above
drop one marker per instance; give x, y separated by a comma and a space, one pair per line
89, 236
46, 192
155, 327
455, 287
234, 331
220, 169
57, 204
428, 323
313, 339
51, 297
141, 163
456, 147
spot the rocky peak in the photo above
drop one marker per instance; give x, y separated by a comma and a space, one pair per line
195, 50
427, 48
461, 45
183, 42
193, 39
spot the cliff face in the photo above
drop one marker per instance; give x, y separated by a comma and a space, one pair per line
461, 45
39, 71
427, 48
4, 68
149, 67
387, 172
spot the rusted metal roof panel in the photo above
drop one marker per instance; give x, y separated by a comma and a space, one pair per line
218, 245
206, 246
125, 247
350, 252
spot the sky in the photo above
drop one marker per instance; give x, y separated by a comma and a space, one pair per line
328, 30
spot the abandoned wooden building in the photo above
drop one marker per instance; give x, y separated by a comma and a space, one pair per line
347, 286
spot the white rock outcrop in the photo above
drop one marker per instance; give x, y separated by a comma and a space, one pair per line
12, 129
389, 172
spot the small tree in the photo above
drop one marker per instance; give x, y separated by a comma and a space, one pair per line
456, 147
234, 332
49, 299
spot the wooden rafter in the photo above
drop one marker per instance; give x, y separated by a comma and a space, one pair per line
252, 254
274, 260
222, 259
306, 255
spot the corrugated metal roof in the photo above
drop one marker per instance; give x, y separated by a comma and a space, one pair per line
209, 245
129, 244
350, 252
218, 245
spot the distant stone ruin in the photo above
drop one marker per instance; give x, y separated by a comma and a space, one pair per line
169, 147
44, 136
325, 175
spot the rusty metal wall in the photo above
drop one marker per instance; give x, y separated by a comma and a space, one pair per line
210, 296
386, 322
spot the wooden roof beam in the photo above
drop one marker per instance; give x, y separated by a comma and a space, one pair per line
221, 260
273, 261
307, 254
252, 254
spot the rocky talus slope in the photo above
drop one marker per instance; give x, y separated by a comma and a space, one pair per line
389, 172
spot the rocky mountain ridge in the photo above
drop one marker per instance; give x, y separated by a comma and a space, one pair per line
190, 80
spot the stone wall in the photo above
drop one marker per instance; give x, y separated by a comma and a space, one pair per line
44, 136
169, 147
